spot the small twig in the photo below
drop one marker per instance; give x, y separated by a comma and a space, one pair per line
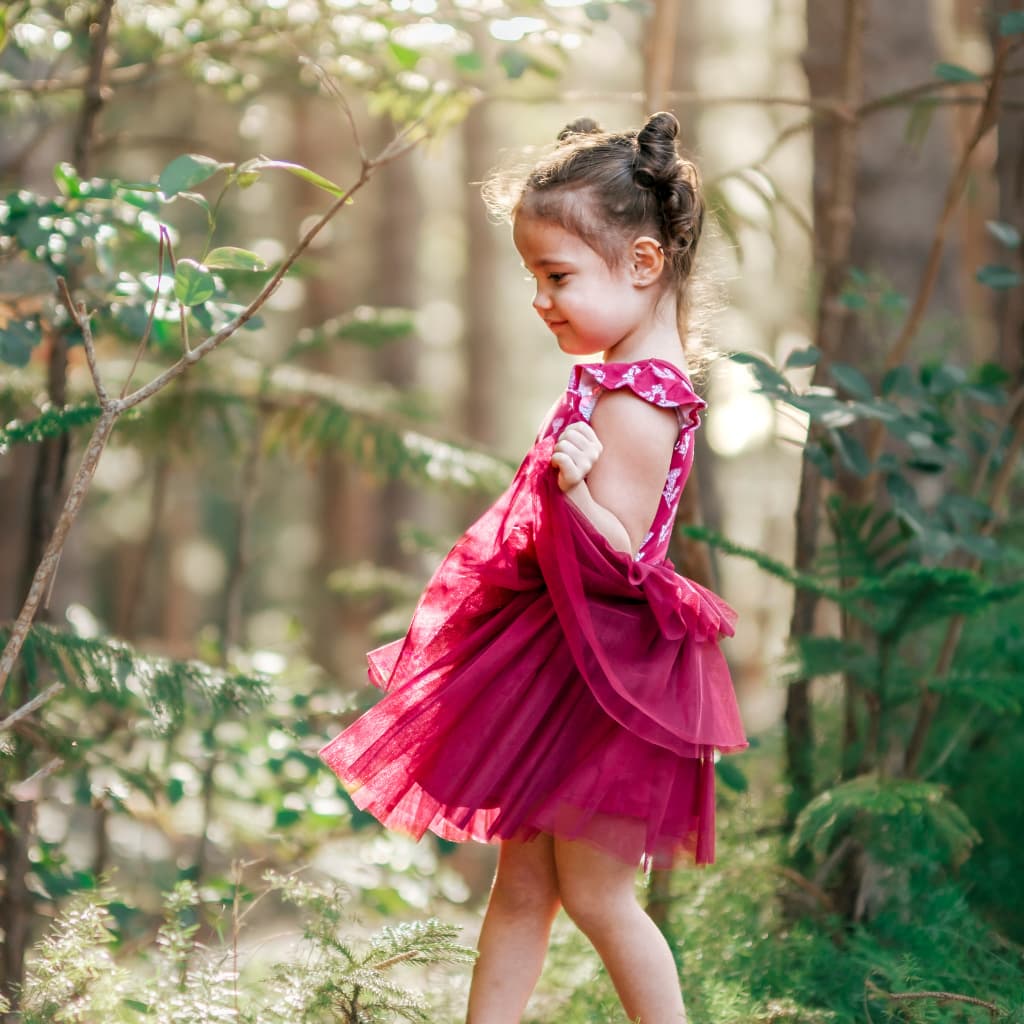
29, 707
81, 317
931, 698
144, 341
93, 95
27, 791
409, 954
897, 353
44, 574
330, 86
946, 997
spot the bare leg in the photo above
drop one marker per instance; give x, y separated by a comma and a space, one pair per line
598, 893
514, 937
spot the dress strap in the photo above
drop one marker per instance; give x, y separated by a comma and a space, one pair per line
654, 380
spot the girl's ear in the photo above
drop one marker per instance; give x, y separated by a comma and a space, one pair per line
647, 261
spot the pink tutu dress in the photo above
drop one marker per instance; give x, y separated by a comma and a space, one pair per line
550, 683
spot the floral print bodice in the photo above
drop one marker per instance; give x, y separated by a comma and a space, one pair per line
660, 383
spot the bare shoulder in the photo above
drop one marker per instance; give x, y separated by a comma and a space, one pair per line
637, 440
622, 418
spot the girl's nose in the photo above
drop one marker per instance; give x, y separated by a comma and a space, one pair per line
541, 300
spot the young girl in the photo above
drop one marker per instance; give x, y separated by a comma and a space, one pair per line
560, 690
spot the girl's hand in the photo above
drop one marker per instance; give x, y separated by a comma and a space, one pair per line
576, 452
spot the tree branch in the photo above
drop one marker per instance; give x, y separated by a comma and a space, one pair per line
114, 408
831, 312
29, 707
898, 351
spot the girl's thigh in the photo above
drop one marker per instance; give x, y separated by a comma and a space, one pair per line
591, 883
526, 874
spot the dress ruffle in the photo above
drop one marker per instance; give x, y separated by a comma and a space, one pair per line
550, 683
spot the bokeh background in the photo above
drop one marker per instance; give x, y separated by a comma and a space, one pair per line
271, 514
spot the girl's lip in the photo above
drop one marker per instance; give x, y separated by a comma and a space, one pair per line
555, 323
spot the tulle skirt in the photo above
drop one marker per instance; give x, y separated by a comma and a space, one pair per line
549, 683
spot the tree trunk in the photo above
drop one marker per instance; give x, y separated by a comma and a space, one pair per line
45, 505
1009, 304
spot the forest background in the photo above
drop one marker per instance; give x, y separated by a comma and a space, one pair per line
263, 356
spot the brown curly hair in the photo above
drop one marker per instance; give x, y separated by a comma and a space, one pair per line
609, 187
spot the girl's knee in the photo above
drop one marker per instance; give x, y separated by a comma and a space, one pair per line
594, 909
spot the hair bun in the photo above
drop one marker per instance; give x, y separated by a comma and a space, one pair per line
581, 126
657, 162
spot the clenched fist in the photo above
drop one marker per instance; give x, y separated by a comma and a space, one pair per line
576, 451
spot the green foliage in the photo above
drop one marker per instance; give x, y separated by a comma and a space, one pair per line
331, 977
901, 821
918, 563
110, 671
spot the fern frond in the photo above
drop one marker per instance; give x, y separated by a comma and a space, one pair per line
901, 821
111, 670
51, 422
1001, 692
772, 566
72, 975
308, 414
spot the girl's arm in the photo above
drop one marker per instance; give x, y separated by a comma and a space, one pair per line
615, 472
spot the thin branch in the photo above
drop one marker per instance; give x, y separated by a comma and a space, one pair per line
46, 570
897, 353
93, 96
165, 239
946, 997
81, 317
831, 314
931, 699
47, 567
29, 707
28, 790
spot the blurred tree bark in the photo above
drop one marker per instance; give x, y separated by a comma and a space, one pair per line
480, 283
670, 47
1009, 304
901, 166
19, 815
830, 30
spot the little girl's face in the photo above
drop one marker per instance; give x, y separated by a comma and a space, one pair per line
589, 306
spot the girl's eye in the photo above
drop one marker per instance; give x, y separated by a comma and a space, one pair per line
557, 277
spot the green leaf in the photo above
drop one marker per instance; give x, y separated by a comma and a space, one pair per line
184, 172
820, 460
851, 451
175, 790
17, 340
955, 73
286, 816
899, 380
802, 357
998, 276
1004, 233
514, 62
262, 163
471, 61
771, 381
851, 380
596, 11
193, 283
229, 257
731, 776
406, 58
1011, 23
67, 179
